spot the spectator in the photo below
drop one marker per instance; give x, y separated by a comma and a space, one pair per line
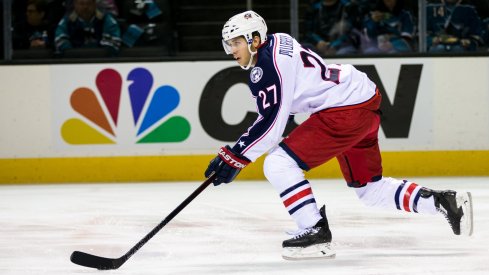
358, 10
87, 27
148, 22
453, 27
54, 11
389, 28
35, 31
330, 27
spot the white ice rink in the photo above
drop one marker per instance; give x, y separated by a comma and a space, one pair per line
232, 229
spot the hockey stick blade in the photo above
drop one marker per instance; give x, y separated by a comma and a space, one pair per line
102, 263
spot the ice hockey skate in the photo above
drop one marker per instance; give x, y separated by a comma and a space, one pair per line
457, 209
311, 243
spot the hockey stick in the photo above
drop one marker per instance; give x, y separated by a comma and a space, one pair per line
102, 263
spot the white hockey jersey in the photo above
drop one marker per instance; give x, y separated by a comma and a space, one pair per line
289, 79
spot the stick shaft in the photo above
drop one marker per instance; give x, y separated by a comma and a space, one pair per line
172, 215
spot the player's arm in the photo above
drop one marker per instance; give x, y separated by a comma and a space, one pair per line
260, 137
273, 94
229, 161
273, 106
269, 126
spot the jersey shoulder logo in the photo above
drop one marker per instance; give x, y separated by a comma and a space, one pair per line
256, 74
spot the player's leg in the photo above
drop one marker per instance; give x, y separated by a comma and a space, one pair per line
390, 193
295, 191
317, 140
313, 237
362, 169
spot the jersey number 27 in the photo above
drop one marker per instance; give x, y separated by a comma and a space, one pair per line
266, 103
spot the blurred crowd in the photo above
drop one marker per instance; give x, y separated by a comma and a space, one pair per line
63, 25
390, 26
332, 27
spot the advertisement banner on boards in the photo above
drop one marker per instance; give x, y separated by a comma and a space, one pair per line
195, 107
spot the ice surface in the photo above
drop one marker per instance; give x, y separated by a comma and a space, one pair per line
231, 229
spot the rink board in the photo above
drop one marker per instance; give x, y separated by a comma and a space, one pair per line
436, 122
178, 168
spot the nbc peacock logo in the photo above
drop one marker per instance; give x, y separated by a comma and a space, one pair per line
100, 111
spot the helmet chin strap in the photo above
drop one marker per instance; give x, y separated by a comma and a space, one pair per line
251, 58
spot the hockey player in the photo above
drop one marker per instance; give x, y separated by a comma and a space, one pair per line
344, 105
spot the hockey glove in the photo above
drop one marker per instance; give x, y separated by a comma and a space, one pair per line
226, 165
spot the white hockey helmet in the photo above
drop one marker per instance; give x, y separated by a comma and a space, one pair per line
244, 24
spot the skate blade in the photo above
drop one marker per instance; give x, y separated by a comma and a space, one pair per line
318, 251
464, 200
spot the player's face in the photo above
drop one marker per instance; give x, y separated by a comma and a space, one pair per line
239, 49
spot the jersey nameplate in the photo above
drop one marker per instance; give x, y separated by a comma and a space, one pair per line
286, 46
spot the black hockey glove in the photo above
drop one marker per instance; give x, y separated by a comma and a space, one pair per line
226, 165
